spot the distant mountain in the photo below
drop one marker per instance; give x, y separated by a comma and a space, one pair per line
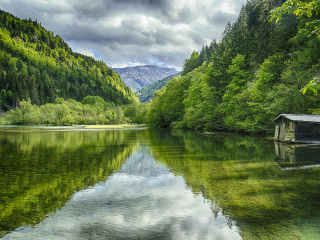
145, 94
141, 76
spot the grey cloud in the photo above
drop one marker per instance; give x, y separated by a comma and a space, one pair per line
162, 9
146, 3
95, 10
221, 18
34, 10
103, 8
173, 27
120, 36
186, 15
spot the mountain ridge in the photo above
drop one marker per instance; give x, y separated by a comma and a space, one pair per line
141, 76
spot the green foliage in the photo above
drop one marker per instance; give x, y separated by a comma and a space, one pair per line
136, 113
308, 13
267, 77
167, 107
145, 94
6, 98
313, 85
199, 100
252, 75
36, 65
235, 98
307, 10
192, 63
93, 110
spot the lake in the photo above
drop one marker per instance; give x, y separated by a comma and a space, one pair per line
76, 183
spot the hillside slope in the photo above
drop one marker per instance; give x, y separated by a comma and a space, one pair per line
145, 94
141, 76
254, 73
37, 65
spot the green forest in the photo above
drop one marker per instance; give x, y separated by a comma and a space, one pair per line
145, 94
39, 66
265, 63
92, 110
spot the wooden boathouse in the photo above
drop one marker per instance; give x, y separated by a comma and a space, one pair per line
297, 128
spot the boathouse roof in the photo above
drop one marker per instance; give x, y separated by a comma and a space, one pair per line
299, 118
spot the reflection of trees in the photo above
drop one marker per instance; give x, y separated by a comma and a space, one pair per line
39, 172
239, 174
296, 156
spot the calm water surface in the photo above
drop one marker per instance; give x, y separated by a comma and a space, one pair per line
72, 183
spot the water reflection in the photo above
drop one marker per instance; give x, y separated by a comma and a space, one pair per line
178, 184
40, 171
143, 200
294, 156
239, 173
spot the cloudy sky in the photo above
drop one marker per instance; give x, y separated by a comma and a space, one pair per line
132, 32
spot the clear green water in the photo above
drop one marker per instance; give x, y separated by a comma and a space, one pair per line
69, 183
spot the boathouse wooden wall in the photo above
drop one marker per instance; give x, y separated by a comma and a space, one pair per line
285, 130
292, 131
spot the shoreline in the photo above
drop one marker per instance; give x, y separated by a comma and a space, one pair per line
33, 128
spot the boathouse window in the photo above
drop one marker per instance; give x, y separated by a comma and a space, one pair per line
304, 131
317, 131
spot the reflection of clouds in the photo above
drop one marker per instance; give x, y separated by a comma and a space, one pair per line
134, 206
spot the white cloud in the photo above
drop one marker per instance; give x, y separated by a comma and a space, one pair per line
84, 51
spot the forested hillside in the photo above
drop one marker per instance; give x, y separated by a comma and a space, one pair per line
255, 72
146, 93
35, 64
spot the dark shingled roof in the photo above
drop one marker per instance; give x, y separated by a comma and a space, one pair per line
300, 118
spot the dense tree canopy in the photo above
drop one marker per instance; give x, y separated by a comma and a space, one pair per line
255, 72
37, 65
92, 110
